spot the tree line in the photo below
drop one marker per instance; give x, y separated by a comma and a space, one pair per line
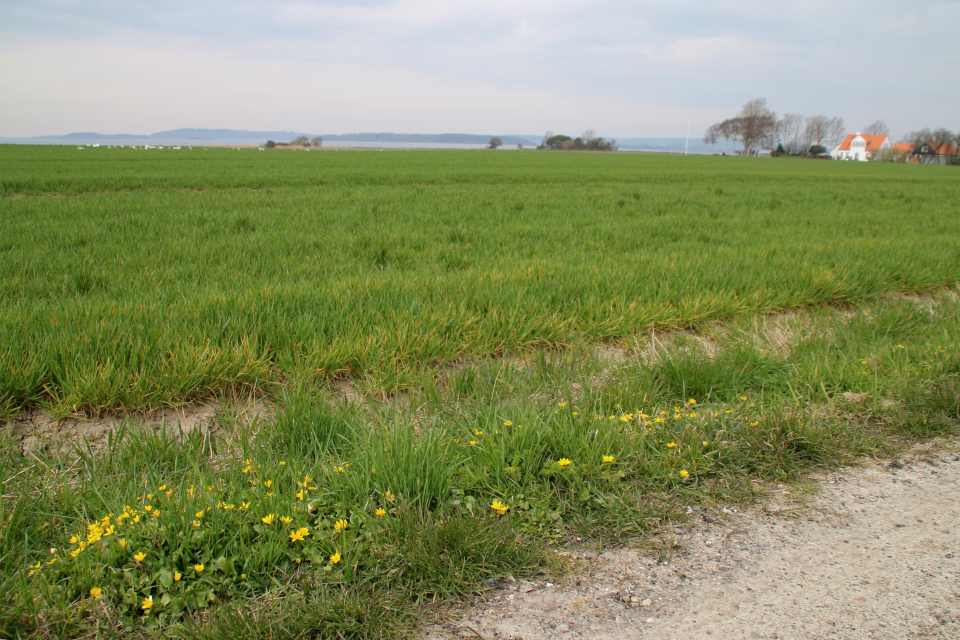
757, 127
587, 141
299, 141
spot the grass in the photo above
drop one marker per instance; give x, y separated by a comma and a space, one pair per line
345, 520
167, 276
350, 520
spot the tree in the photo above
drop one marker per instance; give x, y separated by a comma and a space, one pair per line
270, 144
817, 131
495, 142
300, 141
316, 142
837, 131
876, 128
756, 124
566, 143
711, 135
728, 130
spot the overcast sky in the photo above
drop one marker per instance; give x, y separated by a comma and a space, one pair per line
624, 68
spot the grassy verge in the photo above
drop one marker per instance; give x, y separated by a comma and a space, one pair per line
344, 521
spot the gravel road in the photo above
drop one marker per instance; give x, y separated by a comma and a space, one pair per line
874, 554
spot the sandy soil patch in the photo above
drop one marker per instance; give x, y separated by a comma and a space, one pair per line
875, 554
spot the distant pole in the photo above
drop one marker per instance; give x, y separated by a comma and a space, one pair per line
687, 148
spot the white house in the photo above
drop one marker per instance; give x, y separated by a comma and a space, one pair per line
857, 146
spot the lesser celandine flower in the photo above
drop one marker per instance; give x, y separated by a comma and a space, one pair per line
499, 507
286, 520
671, 445
147, 603
267, 519
198, 567
299, 534
176, 576
380, 512
608, 458
335, 558
140, 555
563, 462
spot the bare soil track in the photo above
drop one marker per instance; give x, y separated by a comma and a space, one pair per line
874, 554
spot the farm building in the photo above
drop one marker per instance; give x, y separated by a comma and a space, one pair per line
857, 146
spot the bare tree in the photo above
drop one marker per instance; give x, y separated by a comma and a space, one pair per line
729, 130
588, 135
756, 124
816, 131
792, 128
877, 128
316, 142
837, 131
495, 142
711, 135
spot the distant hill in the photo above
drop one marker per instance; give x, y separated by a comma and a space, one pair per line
259, 137
242, 136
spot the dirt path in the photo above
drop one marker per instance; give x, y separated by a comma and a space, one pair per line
876, 554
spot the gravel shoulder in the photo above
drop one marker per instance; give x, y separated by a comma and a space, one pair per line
874, 553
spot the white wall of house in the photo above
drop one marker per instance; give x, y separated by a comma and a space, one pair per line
858, 149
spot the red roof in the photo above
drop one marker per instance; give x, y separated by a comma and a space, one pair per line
946, 149
873, 142
902, 147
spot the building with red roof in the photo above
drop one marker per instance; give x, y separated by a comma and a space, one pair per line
857, 146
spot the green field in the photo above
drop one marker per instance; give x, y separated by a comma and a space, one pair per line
133, 278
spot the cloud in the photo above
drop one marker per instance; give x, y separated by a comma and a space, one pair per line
521, 60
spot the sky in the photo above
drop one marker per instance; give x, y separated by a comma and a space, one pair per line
631, 68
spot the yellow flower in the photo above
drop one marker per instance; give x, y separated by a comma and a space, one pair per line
73, 539
380, 512
162, 487
706, 444
282, 463
267, 519
477, 432
147, 603
691, 401
96, 592
499, 507
473, 443
300, 495
684, 473
299, 534
389, 495
198, 514
340, 525
563, 462
286, 520
508, 424
140, 556
562, 404
268, 484
608, 458
176, 576
196, 524
198, 567
671, 445
335, 558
